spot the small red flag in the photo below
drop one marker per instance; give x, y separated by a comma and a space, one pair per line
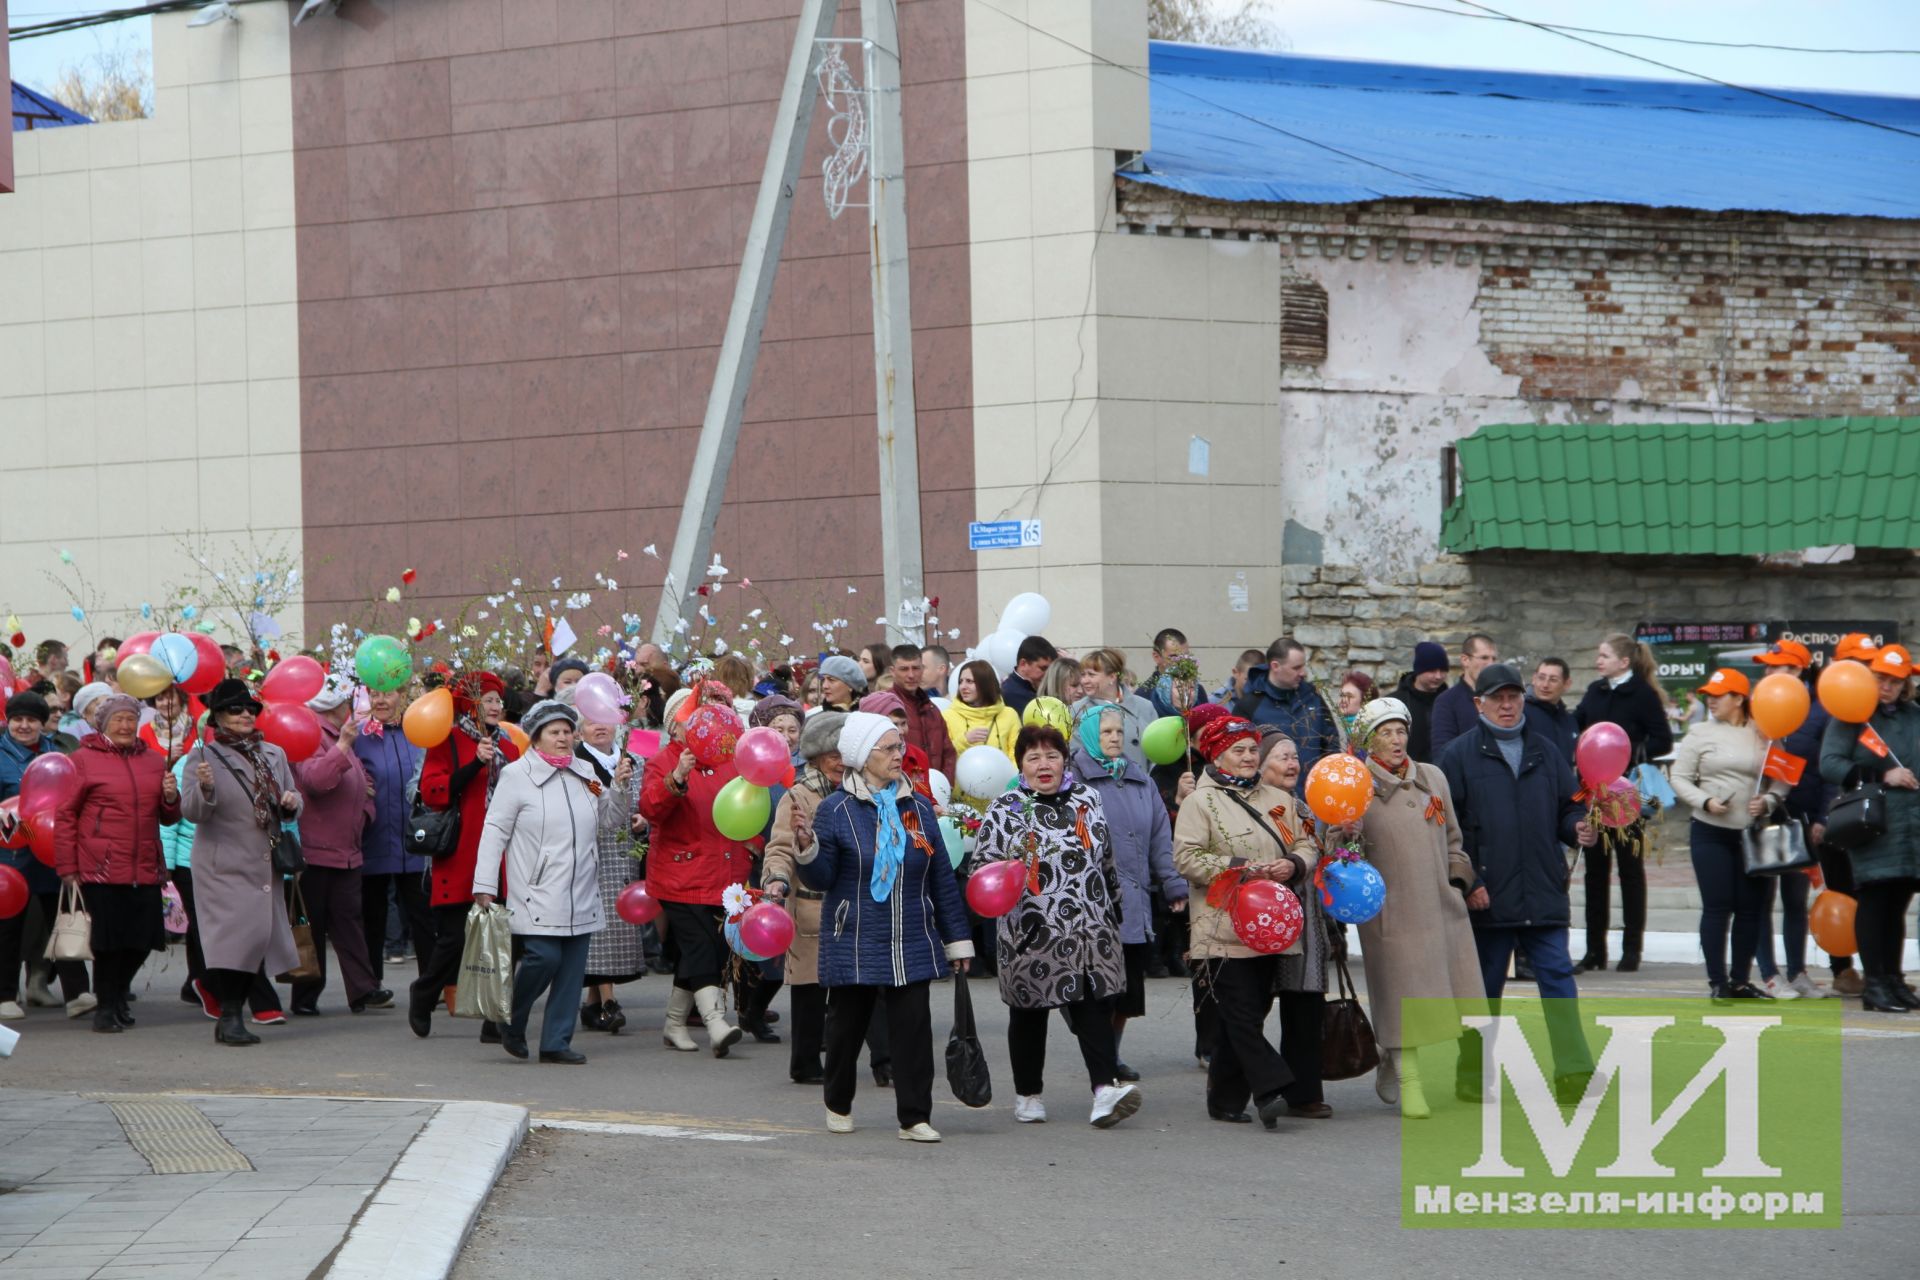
1872, 741
1784, 765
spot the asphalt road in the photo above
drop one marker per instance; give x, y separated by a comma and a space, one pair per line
723, 1168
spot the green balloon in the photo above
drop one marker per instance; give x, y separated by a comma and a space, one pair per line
382, 663
741, 810
1165, 739
956, 841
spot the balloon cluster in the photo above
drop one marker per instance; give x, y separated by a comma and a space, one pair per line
153, 661
1027, 614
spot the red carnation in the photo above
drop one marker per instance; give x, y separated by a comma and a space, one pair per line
407, 577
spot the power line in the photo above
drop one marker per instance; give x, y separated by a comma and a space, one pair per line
104, 17
1637, 35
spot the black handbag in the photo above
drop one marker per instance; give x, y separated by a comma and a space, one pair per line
1347, 1046
967, 1073
1774, 846
1859, 816
434, 833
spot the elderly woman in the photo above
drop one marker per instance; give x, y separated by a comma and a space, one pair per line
239, 791
1421, 943
460, 774
543, 821
1301, 987
1103, 678
1886, 868
1356, 691
1059, 948
616, 955
389, 873
1234, 829
113, 859
1142, 841
25, 741
896, 919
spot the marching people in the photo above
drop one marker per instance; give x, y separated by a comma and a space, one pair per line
1060, 947
26, 740
1356, 691
1546, 708
842, 682
1280, 694
389, 874
926, 726
893, 920
1031, 661
1300, 982
819, 748
1171, 697
1455, 711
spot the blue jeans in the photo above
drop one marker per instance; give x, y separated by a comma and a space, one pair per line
1728, 894
557, 966
1546, 950
1794, 890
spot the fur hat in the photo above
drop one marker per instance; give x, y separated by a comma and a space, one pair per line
821, 734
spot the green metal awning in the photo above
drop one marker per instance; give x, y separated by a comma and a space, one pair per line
1688, 488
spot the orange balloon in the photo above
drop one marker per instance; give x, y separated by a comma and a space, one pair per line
1339, 789
430, 719
1780, 705
517, 735
1830, 919
1849, 692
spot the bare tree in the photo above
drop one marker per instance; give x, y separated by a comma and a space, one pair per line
1238, 23
114, 83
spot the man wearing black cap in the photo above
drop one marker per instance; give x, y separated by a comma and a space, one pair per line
1514, 794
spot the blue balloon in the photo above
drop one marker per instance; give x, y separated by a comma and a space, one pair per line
178, 655
732, 932
1357, 891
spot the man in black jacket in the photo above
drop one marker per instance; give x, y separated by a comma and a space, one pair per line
1546, 712
1419, 689
1513, 794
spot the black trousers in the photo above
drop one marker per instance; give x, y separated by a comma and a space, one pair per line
335, 910
1302, 1016
1836, 868
1633, 900
849, 1009
807, 1030
443, 969
13, 932
1091, 1022
113, 973
1206, 1022
231, 986
411, 889
1245, 1064
1880, 924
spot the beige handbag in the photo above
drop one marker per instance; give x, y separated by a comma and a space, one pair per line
72, 936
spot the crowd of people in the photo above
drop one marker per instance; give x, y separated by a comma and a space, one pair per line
1477, 819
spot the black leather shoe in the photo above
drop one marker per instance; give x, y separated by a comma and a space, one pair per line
1121, 1071
614, 1017
1588, 963
420, 1016
1903, 990
299, 1010
1228, 1117
1568, 1089
489, 1033
593, 1016
883, 1075
564, 1057
515, 1045
378, 998
1271, 1108
763, 1033
1878, 996
232, 1030
815, 1076
1746, 991
769, 1016
105, 1023
122, 1014
1629, 963
1312, 1111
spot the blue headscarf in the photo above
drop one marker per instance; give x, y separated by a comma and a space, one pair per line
890, 848
1089, 731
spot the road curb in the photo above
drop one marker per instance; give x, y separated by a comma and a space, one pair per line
414, 1224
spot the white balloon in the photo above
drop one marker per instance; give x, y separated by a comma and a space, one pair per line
1002, 650
1027, 613
941, 788
983, 771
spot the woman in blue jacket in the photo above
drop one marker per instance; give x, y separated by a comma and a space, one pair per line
392, 763
891, 922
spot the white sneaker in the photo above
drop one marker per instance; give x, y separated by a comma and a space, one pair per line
1808, 988
10, 1009
1113, 1103
1028, 1109
1780, 991
837, 1123
82, 1005
922, 1132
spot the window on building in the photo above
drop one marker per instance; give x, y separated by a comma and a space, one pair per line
1303, 322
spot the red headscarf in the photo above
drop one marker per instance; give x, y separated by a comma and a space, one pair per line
1221, 732
470, 688
1202, 715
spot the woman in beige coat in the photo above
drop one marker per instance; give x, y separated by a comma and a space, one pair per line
1421, 944
1233, 829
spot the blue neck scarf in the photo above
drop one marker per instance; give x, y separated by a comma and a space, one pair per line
890, 845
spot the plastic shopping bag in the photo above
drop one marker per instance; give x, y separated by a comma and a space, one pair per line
485, 984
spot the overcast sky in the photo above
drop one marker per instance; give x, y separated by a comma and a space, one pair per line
1371, 29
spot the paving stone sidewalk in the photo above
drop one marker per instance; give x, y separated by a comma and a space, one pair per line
79, 1195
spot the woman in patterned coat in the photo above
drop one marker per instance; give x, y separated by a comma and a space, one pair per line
1059, 948
615, 955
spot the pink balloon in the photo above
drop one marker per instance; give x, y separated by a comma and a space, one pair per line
291, 727
50, 781
635, 905
1618, 805
7, 679
1602, 754
766, 930
762, 758
293, 681
995, 889
597, 695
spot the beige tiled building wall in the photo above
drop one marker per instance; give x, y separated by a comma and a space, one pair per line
149, 356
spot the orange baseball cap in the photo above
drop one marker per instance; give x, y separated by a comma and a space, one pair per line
1786, 653
1893, 660
1855, 645
1726, 680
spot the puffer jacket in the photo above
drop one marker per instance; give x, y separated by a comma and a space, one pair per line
688, 860
176, 841
14, 760
1513, 828
1142, 839
1303, 714
391, 762
545, 822
921, 927
1215, 834
109, 833
1897, 853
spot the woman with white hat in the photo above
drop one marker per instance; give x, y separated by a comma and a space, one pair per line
892, 919
1421, 943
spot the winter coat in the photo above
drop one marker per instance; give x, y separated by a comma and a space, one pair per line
109, 833
1136, 713
1420, 708
1897, 853
1454, 712
1513, 829
1421, 943
338, 808
1303, 714
1718, 761
237, 894
1061, 943
454, 773
616, 952
545, 823
927, 730
1809, 798
922, 926
391, 763
803, 903
1555, 724
688, 860
14, 760
1142, 839
1215, 834
1636, 707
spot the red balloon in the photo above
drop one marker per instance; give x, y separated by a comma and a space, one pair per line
41, 829
1266, 916
13, 829
291, 727
712, 733
295, 680
50, 782
995, 889
635, 905
1602, 754
13, 893
211, 669
142, 643
766, 930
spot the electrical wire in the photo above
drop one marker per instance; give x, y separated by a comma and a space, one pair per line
104, 17
1638, 35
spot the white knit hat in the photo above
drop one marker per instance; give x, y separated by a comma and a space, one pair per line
860, 735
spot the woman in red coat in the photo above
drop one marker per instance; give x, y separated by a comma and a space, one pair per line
688, 863
460, 772
112, 856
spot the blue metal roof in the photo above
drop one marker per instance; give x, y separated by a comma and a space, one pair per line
37, 111
1270, 127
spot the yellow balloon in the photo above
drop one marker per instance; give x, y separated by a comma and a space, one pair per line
142, 675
